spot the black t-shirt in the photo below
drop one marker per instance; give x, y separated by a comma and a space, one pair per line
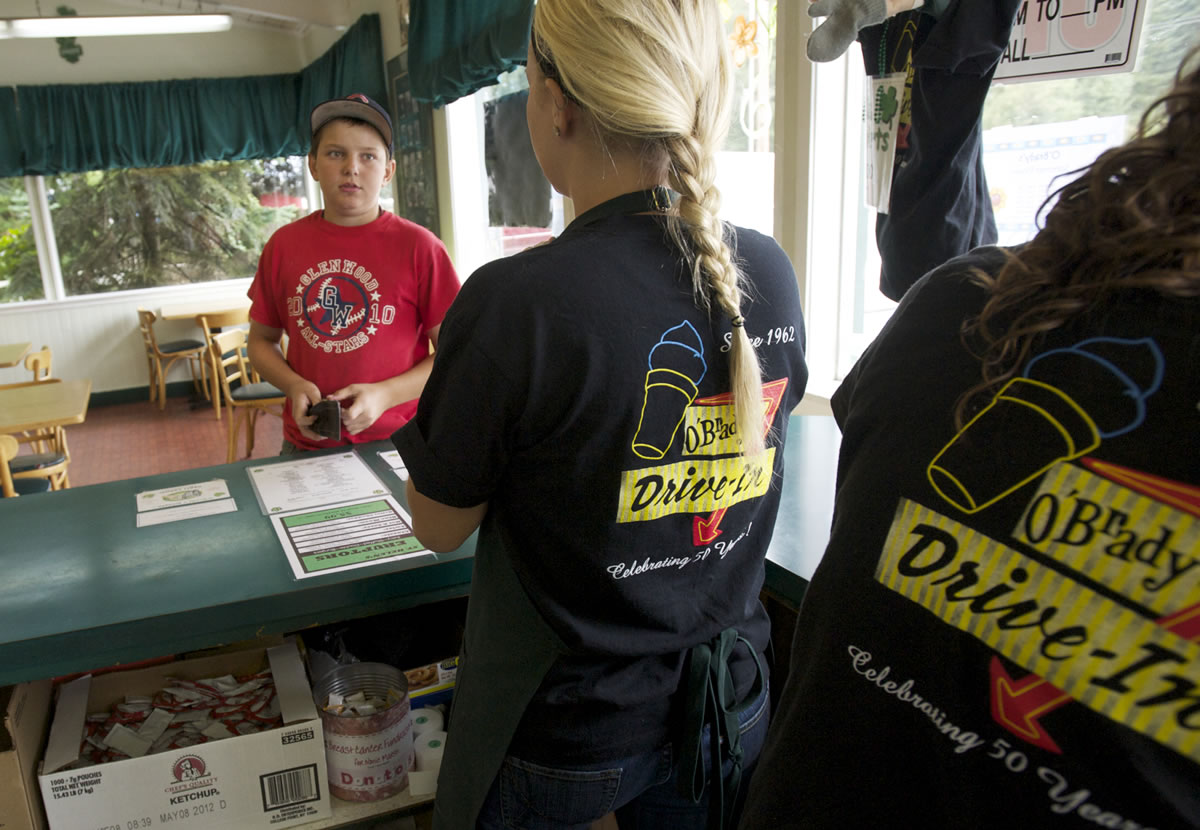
580, 392
939, 190
1002, 632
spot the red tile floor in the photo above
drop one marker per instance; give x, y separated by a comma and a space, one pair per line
136, 439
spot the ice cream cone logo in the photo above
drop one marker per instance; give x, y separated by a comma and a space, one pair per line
970, 473
676, 367
1067, 402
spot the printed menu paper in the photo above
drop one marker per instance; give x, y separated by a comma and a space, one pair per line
346, 536
187, 501
314, 481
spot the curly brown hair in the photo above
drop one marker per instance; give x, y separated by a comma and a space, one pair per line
1130, 222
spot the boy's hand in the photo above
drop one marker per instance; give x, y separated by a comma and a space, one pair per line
367, 402
302, 395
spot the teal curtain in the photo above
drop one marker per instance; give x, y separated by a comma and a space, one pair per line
457, 46
71, 128
353, 64
10, 134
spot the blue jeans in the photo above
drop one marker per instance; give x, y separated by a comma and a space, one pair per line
642, 790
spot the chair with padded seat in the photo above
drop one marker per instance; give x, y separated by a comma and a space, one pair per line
49, 456
48, 461
211, 325
10, 487
245, 395
160, 357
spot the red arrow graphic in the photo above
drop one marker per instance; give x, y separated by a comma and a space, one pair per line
705, 529
1017, 705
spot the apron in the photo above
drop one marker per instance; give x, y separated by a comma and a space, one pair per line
507, 649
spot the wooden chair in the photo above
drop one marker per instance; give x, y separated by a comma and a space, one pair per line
48, 457
160, 357
9, 487
246, 396
48, 461
211, 325
39, 363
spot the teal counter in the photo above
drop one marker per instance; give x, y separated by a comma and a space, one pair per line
83, 588
806, 505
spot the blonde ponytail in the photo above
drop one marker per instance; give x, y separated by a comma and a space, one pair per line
657, 72
715, 275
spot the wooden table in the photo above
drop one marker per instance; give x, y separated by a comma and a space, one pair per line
53, 403
13, 353
192, 310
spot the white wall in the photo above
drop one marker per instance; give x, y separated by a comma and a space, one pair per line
97, 337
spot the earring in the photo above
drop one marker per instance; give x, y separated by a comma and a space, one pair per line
557, 131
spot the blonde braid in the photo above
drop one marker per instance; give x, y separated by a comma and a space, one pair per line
656, 72
715, 274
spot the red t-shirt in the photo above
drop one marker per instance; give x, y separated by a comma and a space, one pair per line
356, 303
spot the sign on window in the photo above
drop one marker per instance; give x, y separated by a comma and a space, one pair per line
1068, 38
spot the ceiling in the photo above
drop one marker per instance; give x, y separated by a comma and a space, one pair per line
295, 16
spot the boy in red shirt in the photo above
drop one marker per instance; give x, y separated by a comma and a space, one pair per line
359, 291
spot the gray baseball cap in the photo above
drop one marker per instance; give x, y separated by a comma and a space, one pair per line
356, 106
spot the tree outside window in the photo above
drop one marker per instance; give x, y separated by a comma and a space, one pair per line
126, 229
20, 277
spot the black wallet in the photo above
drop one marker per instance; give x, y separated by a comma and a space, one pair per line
329, 419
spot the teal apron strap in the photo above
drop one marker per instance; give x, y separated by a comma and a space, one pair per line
710, 700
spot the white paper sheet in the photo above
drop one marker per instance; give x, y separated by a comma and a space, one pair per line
314, 481
393, 459
169, 497
187, 511
187, 501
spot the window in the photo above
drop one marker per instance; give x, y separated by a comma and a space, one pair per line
117, 230
486, 177
1037, 132
502, 201
1034, 133
746, 164
20, 276
139, 228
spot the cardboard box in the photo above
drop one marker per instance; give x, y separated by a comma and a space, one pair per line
274, 779
432, 684
25, 713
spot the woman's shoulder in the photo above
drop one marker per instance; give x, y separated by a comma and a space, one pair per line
756, 251
956, 283
554, 263
507, 282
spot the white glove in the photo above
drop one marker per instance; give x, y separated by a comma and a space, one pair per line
844, 18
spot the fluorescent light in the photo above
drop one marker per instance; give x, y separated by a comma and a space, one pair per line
73, 26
